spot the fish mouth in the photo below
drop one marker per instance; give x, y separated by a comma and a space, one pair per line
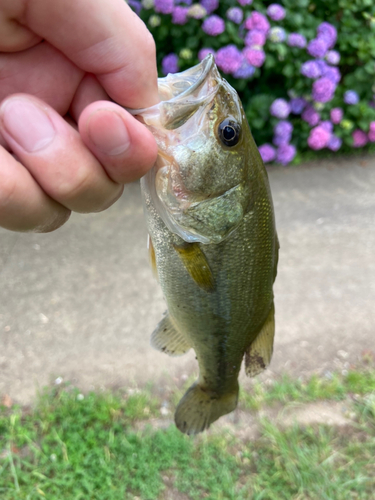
181, 95
177, 86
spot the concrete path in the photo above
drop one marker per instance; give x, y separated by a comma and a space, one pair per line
81, 303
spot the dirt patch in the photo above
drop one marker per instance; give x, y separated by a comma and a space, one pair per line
322, 412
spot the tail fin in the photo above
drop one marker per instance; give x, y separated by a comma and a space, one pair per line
198, 409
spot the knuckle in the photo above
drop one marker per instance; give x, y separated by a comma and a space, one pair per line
8, 191
87, 193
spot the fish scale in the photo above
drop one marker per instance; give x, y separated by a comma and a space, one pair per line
214, 243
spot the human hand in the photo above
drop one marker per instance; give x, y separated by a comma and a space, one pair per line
60, 63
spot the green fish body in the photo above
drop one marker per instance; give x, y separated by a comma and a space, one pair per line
213, 240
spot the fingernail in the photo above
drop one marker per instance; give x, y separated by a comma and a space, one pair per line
27, 124
108, 132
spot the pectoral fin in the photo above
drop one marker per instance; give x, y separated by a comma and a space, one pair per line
152, 257
258, 355
168, 339
196, 264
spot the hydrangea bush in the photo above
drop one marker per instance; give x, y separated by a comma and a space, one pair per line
305, 71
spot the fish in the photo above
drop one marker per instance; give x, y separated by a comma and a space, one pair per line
212, 239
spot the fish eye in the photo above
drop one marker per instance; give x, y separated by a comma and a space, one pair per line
229, 132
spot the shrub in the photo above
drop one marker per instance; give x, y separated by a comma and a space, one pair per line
305, 71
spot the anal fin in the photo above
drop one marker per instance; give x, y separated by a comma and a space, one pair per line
168, 339
259, 353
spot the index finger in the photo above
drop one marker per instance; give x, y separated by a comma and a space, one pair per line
104, 37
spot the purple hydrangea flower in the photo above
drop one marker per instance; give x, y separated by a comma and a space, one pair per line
360, 138
310, 116
282, 132
136, 6
164, 6
323, 90
333, 74
317, 47
257, 21
180, 15
323, 66
186, 2
318, 138
245, 2
203, 53
333, 57
255, 37
169, 64
329, 33
351, 97
280, 108
255, 57
283, 127
336, 115
235, 14
285, 153
229, 59
311, 69
213, 25
371, 133
277, 34
327, 125
276, 12
334, 143
210, 5
297, 105
245, 71
296, 40
267, 152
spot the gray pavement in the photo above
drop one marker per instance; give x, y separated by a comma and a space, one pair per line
81, 303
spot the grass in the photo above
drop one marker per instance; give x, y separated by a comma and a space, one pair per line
317, 388
93, 447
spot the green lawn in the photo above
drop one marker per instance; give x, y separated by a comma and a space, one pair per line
72, 447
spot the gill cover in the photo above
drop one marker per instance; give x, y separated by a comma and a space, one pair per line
179, 119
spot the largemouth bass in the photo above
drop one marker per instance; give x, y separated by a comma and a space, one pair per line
213, 240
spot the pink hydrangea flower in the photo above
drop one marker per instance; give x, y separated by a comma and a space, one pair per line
318, 138
360, 138
371, 134
255, 57
255, 37
229, 59
336, 115
257, 21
